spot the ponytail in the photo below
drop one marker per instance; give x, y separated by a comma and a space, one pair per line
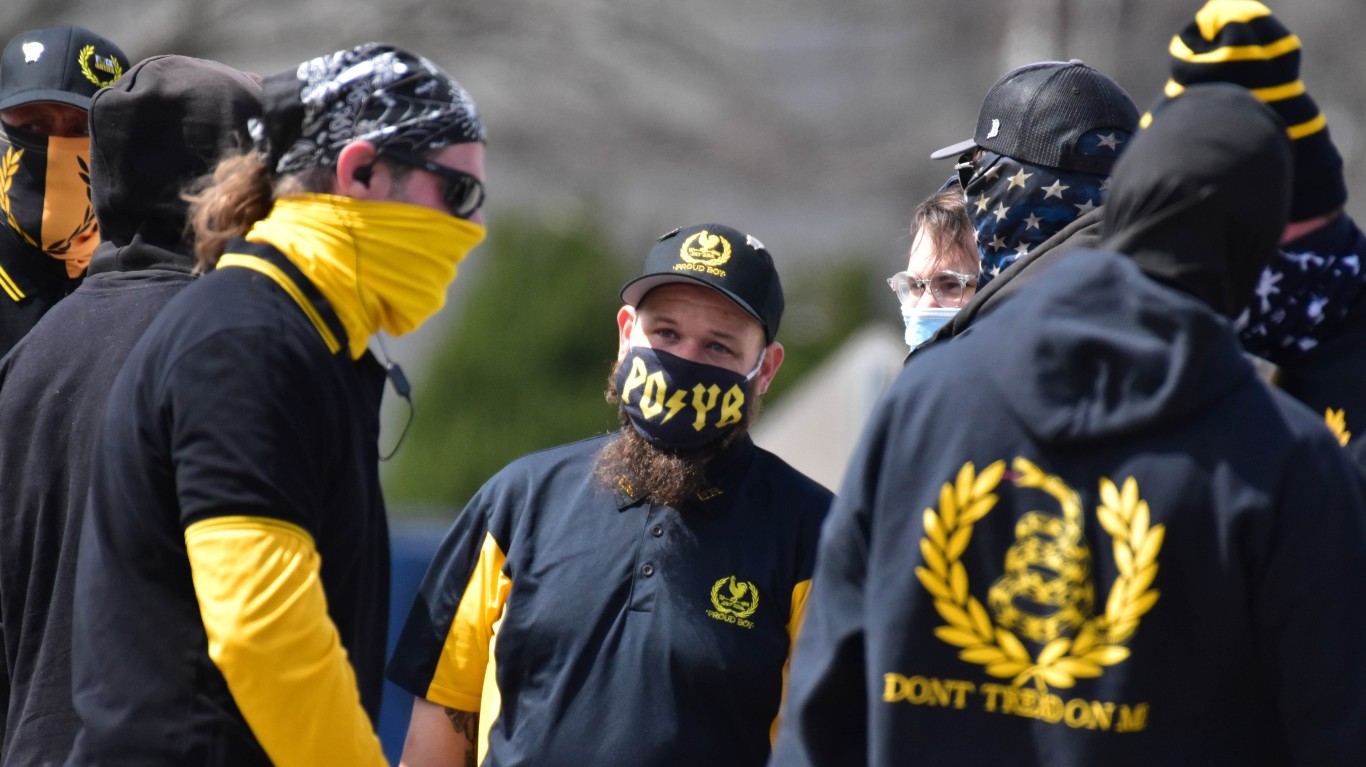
225, 203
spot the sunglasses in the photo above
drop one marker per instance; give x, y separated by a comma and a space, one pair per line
948, 287
463, 193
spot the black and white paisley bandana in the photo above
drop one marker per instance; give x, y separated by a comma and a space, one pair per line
372, 92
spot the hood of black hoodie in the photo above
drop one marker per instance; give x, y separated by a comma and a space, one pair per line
162, 125
1096, 351
1201, 197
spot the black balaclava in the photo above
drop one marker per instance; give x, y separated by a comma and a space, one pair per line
162, 125
1201, 197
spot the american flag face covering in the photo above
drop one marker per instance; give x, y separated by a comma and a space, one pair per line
1017, 205
1299, 299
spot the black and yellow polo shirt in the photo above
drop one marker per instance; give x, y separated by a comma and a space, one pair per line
238, 441
588, 626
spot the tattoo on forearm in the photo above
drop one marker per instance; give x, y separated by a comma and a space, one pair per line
466, 723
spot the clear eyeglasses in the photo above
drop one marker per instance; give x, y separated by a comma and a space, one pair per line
948, 287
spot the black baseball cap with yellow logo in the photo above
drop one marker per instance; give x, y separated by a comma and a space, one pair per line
65, 65
723, 258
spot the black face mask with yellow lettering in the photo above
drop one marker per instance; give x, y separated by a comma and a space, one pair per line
45, 197
679, 404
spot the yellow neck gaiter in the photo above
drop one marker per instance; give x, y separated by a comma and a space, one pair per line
381, 265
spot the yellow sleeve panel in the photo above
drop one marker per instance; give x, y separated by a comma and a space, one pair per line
265, 613
459, 679
794, 626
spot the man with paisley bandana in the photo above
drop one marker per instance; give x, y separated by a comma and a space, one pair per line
632, 598
231, 596
47, 77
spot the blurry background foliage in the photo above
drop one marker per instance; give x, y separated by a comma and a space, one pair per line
807, 123
524, 363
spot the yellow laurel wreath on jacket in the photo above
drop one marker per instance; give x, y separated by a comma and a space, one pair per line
1062, 661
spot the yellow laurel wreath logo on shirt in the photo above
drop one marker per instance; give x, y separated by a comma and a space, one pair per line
1337, 422
736, 603
108, 64
1075, 644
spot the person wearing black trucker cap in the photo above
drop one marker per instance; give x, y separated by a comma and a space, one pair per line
47, 77
631, 598
1035, 172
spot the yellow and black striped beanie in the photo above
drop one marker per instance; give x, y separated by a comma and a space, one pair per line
1241, 42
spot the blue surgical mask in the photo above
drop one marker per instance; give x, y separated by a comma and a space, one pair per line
680, 404
922, 323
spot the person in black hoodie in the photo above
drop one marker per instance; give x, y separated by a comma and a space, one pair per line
160, 126
1090, 535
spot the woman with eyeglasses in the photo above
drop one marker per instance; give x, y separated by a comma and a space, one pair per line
942, 267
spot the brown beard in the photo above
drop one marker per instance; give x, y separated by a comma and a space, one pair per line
669, 477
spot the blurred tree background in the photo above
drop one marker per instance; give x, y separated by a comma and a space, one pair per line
807, 123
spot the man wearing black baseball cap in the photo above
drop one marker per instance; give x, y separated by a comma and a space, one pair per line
47, 77
1035, 171
645, 587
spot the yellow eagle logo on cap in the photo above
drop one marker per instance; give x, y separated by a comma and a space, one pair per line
108, 65
705, 248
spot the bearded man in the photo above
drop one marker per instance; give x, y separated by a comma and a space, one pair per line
632, 598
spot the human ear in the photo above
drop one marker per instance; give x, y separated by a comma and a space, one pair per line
626, 321
357, 175
773, 359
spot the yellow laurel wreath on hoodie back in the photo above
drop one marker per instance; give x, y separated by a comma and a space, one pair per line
1100, 641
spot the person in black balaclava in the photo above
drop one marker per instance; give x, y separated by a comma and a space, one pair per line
47, 77
1141, 554
157, 128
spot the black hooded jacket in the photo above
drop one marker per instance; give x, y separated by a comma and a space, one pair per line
161, 125
1085, 532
